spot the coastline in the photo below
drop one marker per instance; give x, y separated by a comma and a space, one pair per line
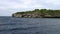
42, 13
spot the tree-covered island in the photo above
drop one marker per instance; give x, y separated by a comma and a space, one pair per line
38, 13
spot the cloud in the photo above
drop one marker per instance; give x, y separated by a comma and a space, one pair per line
7, 7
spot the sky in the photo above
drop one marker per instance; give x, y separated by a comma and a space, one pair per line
8, 7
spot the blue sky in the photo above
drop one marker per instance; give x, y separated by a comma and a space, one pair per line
7, 7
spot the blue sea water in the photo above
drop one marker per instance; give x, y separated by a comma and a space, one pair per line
9, 25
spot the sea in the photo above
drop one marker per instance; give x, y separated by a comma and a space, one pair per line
11, 25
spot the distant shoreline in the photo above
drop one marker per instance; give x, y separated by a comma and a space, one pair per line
42, 13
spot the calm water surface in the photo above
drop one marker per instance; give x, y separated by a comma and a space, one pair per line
9, 25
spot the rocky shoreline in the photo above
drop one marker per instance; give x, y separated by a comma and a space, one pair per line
33, 16
38, 14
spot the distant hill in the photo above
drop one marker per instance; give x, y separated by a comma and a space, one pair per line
38, 13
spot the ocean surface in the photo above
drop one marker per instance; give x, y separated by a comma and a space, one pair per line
9, 25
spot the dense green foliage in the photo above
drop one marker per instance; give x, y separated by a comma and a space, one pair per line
43, 12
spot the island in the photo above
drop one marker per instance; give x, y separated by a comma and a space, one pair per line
38, 13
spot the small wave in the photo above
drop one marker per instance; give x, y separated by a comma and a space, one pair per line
28, 28
23, 28
6, 24
11, 24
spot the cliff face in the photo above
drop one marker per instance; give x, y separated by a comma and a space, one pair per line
27, 15
37, 13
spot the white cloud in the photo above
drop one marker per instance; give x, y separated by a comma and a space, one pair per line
7, 7
54, 2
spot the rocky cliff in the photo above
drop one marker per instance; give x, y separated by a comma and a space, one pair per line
37, 13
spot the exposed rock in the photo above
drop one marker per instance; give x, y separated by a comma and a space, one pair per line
38, 14
27, 15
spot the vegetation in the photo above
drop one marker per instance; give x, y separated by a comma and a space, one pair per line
43, 12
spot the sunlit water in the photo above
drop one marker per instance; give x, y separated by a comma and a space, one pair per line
9, 25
